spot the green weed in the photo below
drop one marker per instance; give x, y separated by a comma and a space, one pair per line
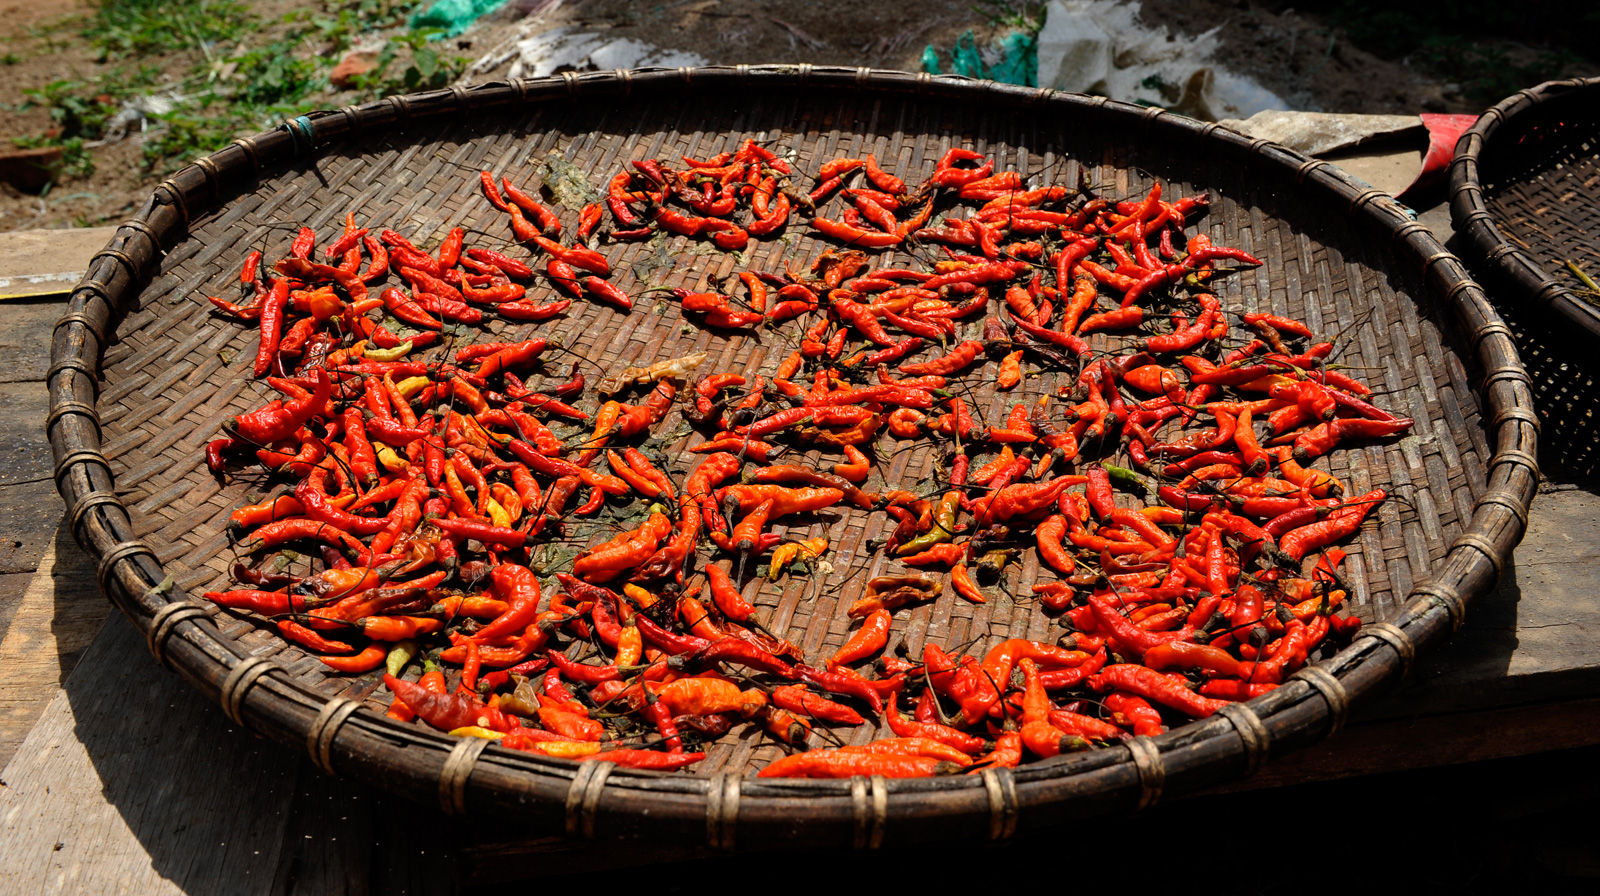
242, 75
122, 28
75, 160
1024, 15
428, 70
188, 133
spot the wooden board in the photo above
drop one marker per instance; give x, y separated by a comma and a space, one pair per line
35, 263
123, 787
55, 620
25, 343
1531, 640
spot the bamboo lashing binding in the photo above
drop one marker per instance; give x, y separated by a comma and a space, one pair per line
1332, 691
869, 802
81, 456
722, 810
1395, 637
1511, 504
1001, 786
1152, 770
74, 407
320, 737
89, 323
583, 796
76, 365
1483, 545
238, 683
90, 501
879, 786
1447, 598
457, 769
120, 257
1252, 734
164, 621
116, 555
1515, 456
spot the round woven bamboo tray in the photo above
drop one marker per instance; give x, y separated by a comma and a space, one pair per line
1525, 195
143, 373
1525, 198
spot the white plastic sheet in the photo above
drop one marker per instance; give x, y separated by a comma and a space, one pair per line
1101, 47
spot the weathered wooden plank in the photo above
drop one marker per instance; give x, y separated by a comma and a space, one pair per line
55, 621
34, 252
47, 262
25, 341
12, 587
489, 858
24, 450
131, 782
1400, 745
346, 837
327, 847
29, 515
1533, 638
415, 849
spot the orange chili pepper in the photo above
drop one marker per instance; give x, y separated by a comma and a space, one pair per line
604, 422
365, 661
1010, 372
868, 639
962, 581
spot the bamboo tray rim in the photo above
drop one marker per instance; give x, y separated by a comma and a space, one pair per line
463, 773
1488, 245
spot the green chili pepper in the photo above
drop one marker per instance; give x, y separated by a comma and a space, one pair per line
1128, 480
387, 354
942, 530
400, 654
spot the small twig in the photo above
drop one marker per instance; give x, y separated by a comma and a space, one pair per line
1578, 272
797, 34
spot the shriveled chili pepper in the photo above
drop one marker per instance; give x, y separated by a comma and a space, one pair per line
267, 603
1152, 685
867, 640
1296, 543
840, 683
964, 585
279, 421
365, 661
545, 219
837, 764
607, 293
734, 649
449, 711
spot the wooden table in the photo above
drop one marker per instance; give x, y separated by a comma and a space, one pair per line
121, 777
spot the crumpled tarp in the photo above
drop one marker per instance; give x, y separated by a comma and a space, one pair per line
1013, 59
1316, 133
1444, 131
453, 16
568, 48
1104, 47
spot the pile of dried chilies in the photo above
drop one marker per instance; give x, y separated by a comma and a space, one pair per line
703, 200
426, 483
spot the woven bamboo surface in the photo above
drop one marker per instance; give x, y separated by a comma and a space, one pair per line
1345, 260
1525, 195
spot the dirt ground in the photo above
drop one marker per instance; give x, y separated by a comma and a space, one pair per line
1294, 54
